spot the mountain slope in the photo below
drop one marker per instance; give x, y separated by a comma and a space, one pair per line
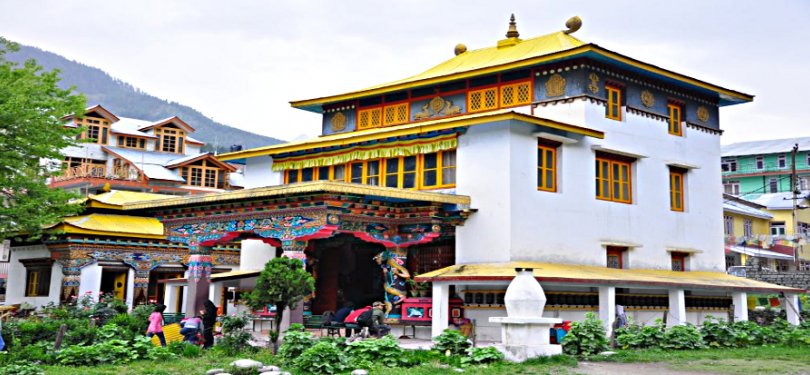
125, 100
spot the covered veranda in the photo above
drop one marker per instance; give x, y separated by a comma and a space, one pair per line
677, 297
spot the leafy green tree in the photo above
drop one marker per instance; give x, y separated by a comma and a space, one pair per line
283, 283
31, 132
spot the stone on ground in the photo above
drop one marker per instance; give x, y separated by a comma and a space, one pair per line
215, 371
360, 372
269, 369
246, 364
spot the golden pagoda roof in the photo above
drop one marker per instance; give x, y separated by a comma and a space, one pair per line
117, 198
348, 138
515, 53
593, 275
112, 225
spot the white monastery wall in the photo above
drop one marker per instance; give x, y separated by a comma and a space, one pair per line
255, 254
259, 173
497, 167
91, 281
15, 289
482, 172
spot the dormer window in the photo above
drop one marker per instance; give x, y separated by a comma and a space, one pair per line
131, 142
97, 129
170, 140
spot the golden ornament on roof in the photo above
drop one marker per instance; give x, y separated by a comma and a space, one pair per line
460, 48
512, 32
338, 122
555, 86
703, 114
573, 24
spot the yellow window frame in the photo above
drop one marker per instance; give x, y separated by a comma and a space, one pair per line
400, 172
440, 170
33, 284
675, 118
543, 168
614, 103
515, 94
614, 180
482, 99
676, 189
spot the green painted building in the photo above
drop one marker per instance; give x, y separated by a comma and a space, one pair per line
758, 167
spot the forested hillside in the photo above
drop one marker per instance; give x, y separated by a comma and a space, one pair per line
125, 100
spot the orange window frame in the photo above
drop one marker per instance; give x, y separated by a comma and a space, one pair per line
477, 100
546, 168
400, 172
521, 94
441, 169
676, 190
395, 114
369, 118
681, 258
614, 180
614, 103
675, 119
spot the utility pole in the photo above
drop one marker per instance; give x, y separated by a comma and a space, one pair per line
794, 184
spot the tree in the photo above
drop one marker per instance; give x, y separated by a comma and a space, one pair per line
32, 131
283, 283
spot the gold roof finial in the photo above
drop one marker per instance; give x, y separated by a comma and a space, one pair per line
512, 32
573, 24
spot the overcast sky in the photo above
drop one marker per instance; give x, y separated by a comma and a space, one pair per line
241, 62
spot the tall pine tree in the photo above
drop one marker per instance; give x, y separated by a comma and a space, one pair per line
31, 133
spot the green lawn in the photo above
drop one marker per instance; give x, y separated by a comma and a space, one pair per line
758, 360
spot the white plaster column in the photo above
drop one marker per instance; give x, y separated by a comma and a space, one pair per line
740, 301
791, 306
170, 298
215, 291
441, 307
130, 293
607, 307
677, 308
90, 281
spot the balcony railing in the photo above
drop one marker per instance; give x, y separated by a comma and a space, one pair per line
99, 171
751, 168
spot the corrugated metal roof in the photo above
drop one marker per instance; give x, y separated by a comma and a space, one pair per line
592, 275
769, 146
760, 253
115, 223
151, 163
130, 126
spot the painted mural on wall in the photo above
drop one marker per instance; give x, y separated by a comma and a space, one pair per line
436, 107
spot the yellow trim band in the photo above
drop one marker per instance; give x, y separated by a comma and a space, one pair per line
345, 139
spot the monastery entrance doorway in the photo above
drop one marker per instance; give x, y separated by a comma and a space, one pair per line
345, 271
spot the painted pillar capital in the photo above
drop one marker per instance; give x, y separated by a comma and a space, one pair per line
200, 263
71, 276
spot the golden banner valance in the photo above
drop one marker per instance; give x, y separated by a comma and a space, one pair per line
388, 150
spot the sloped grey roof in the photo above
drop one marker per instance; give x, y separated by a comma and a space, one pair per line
130, 126
742, 209
236, 179
777, 201
158, 172
85, 150
769, 146
151, 163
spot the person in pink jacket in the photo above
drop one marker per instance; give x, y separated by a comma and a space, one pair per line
156, 324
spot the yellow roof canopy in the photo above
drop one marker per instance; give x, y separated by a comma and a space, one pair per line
117, 198
592, 275
112, 225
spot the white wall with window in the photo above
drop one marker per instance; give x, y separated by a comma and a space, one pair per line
17, 290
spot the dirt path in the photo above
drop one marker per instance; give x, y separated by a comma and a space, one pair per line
611, 368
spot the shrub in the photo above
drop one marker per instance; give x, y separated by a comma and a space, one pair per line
34, 353
234, 338
635, 336
451, 342
21, 368
160, 353
482, 355
368, 353
108, 352
296, 341
325, 357
718, 333
797, 337
586, 337
682, 337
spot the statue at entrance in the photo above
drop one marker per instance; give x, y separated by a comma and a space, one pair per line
394, 276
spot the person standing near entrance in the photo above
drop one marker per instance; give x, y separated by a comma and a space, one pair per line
156, 324
209, 319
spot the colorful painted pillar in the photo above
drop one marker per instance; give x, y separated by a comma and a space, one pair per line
199, 278
395, 275
71, 277
141, 290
